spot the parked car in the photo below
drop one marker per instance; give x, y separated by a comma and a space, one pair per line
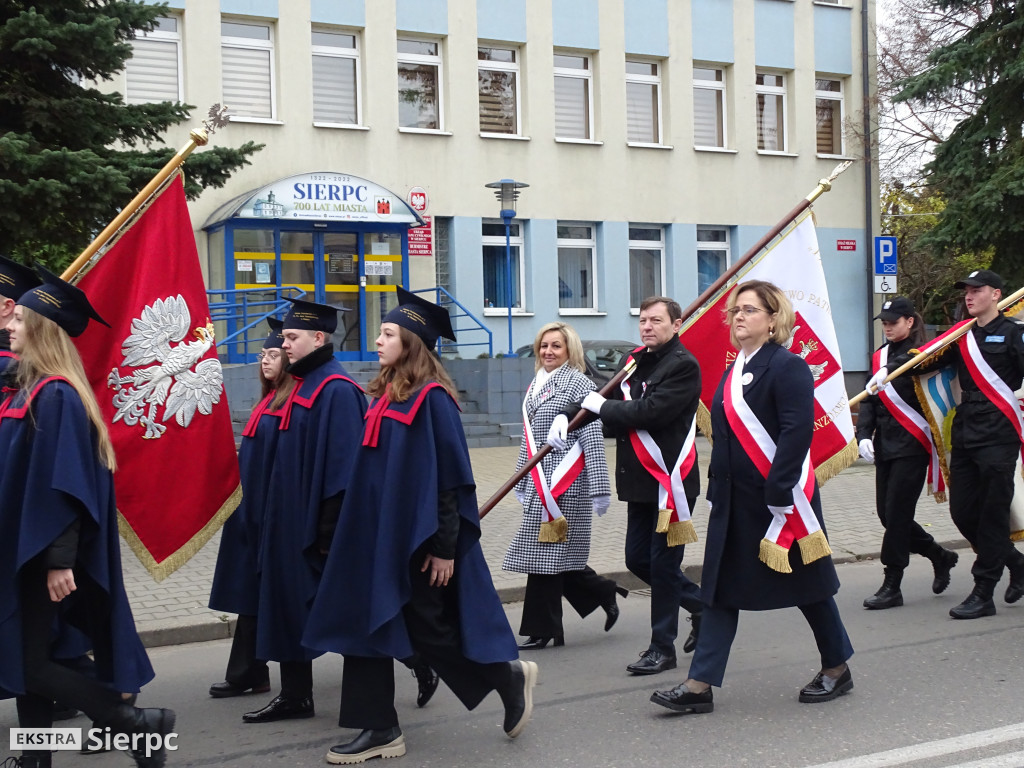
601, 357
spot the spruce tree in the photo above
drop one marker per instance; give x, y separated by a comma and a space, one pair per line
979, 169
71, 156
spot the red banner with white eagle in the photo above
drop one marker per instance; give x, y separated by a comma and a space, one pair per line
793, 263
160, 386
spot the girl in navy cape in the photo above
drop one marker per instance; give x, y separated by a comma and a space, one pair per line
59, 549
405, 572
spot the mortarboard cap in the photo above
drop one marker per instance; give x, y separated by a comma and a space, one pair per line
310, 316
424, 318
61, 302
981, 277
276, 337
16, 279
893, 310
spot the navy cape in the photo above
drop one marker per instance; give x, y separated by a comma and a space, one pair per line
320, 429
390, 510
51, 477
235, 580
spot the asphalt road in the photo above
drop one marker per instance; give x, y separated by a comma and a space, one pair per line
930, 692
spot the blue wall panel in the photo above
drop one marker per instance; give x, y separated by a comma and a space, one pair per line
712, 30
266, 9
647, 27
574, 24
346, 13
427, 16
833, 47
501, 20
773, 34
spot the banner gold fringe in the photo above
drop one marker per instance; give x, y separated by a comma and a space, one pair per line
938, 444
553, 531
837, 463
681, 532
774, 556
814, 546
664, 516
160, 571
704, 421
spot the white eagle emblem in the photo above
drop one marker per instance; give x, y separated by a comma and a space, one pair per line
805, 350
171, 383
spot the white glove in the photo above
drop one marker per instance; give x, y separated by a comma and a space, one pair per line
558, 432
601, 504
520, 497
593, 403
877, 382
867, 450
779, 513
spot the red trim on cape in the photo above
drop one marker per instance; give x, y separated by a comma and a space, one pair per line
307, 402
9, 412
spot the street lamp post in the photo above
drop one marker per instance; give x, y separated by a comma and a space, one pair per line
507, 192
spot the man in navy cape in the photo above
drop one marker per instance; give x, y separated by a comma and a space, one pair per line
320, 430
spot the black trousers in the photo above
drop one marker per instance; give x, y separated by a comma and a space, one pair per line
46, 679
585, 590
980, 490
649, 558
244, 669
432, 620
898, 484
297, 679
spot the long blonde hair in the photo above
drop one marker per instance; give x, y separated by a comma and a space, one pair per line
416, 367
573, 345
48, 351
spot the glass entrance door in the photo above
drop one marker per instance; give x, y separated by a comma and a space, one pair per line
340, 259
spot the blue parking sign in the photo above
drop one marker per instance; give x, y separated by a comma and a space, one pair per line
885, 255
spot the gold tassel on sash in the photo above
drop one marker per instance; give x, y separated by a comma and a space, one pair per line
681, 532
774, 556
664, 517
814, 546
553, 531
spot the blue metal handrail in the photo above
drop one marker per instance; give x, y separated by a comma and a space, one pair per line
443, 298
243, 309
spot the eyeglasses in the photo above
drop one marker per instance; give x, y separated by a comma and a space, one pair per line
746, 309
268, 355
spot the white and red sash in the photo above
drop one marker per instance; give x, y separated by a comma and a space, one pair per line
912, 421
803, 526
553, 525
674, 516
994, 388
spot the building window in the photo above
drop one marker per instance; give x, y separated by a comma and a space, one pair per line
708, 107
713, 255
153, 73
770, 92
496, 264
574, 104
247, 55
576, 247
646, 263
498, 81
643, 102
419, 84
828, 111
335, 78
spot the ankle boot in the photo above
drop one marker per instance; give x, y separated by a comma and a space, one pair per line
942, 563
1015, 589
889, 594
978, 603
148, 728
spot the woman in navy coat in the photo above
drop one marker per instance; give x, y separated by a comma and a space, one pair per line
778, 389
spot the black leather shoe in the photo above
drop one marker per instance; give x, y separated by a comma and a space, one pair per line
611, 608
537, 643
132, 721
367, 745
651, 663
974, 607
226, 690
681, 699
426, 680
823, 688
1015, 589
943, 564
281, 708
888, 595
691, 639
518, 697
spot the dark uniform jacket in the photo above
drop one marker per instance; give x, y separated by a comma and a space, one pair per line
875, 422
665, 391
978, 422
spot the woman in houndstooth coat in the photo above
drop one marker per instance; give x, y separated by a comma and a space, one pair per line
553, 541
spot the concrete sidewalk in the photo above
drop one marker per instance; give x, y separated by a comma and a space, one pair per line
174, 611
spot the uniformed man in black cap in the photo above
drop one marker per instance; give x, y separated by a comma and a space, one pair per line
986, 439
321, 427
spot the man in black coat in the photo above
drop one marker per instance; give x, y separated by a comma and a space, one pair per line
663, 393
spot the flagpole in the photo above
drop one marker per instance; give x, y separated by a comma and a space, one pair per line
917, 359
585, 417
197, 138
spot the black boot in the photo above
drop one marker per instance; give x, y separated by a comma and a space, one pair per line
978, 603
943, 562
1015, 589
889, 594
148, 728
